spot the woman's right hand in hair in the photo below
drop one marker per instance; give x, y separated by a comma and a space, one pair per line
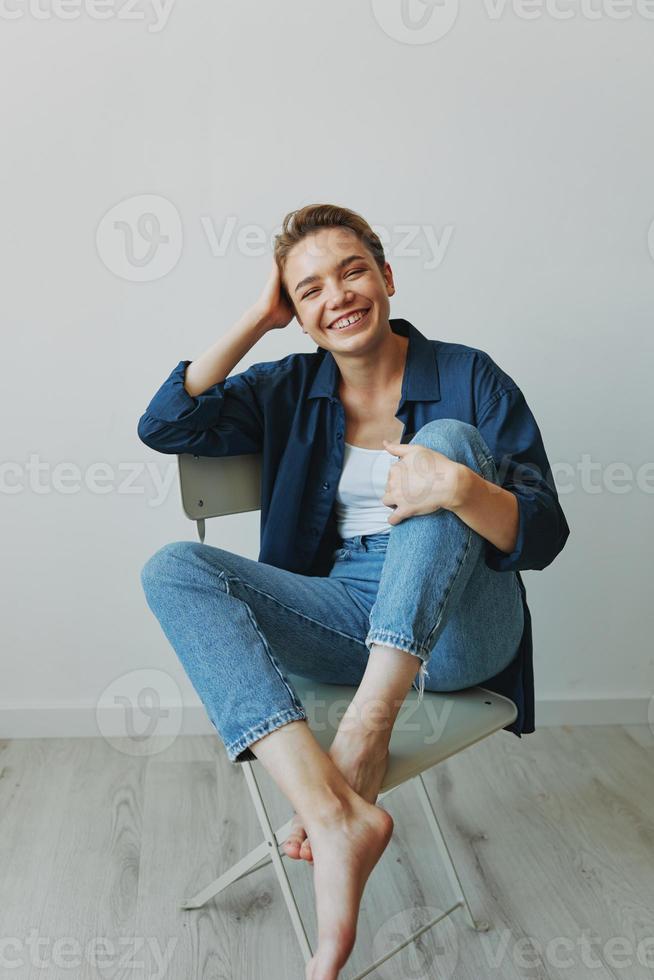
273, 310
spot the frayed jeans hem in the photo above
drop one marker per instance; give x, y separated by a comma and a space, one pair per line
239, 751
386, 638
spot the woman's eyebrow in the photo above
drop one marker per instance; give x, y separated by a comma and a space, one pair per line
340, 265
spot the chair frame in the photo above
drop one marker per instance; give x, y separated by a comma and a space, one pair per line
236, 491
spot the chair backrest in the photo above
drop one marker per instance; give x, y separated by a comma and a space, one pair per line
213, 486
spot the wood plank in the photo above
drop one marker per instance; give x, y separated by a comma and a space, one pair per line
552, 835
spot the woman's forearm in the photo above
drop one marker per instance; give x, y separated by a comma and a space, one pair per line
221, 358
489, 509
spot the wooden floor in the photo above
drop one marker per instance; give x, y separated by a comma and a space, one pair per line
553, 836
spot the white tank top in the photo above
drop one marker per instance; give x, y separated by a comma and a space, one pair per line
359, 509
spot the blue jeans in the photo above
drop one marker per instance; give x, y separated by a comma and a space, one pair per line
239, 626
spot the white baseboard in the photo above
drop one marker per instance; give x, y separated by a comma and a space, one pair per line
75, 720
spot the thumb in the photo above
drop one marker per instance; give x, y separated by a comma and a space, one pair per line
397, 448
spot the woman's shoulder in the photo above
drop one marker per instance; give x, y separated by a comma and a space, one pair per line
477, 363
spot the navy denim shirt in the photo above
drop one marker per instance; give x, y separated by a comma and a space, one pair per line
289, 411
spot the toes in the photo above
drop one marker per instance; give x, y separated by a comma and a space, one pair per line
295, 839
305, 851
292, 847
294, 843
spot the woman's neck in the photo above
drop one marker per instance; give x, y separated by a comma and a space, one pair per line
375, 374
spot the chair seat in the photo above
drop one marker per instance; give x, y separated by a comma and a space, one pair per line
424, 734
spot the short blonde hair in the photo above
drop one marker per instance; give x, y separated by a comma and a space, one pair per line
311, 218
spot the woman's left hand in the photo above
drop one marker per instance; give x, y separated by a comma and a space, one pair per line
421, 482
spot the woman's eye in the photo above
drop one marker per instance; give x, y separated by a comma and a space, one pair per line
350, 273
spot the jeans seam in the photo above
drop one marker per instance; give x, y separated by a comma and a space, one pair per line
449, 587
380, 633
272, 598
488, 462
296, 704
227, 576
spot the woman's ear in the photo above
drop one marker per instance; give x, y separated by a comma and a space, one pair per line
388, 279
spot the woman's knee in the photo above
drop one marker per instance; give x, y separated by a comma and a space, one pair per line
166, 561
459, 441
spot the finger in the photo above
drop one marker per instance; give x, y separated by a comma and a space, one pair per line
396, 448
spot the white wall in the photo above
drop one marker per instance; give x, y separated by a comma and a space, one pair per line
523, 146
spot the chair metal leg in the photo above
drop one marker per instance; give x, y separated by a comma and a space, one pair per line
278, 864
412, 937
268, 851
257, 858
432, 820
260, 856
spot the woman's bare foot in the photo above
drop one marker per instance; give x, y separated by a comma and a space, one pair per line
364, 770
346, 846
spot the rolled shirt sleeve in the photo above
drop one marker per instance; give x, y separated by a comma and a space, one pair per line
225, 420
512, 434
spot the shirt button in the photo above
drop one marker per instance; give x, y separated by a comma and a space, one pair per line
325, 486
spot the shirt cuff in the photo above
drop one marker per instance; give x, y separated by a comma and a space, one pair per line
173, 404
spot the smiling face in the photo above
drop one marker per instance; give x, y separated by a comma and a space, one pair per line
331, 276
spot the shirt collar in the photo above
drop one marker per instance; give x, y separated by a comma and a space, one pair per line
420, 381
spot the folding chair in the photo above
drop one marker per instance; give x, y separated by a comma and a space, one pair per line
212, 487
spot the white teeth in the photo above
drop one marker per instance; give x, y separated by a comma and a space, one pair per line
340, 324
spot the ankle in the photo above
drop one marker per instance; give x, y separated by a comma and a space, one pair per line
369, 720
331, 807
359, 742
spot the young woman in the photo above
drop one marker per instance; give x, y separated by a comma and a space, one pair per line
404, 486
